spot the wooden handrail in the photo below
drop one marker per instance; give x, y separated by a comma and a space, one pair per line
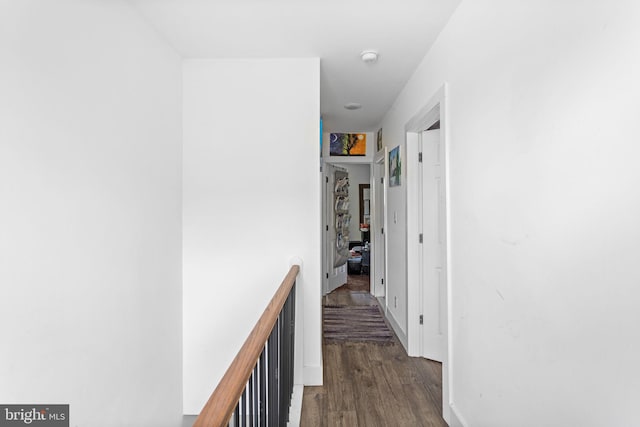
220, 406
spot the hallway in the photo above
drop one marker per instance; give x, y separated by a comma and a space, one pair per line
366, 384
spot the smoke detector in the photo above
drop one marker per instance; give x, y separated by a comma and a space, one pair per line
369, 56
353, 106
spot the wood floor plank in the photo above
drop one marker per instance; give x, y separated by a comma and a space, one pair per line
370, 385
420, 403
341, 397
343, 419
314, 404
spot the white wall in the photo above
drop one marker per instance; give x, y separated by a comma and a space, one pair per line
396, 250
90, 219
543, 106
251, 203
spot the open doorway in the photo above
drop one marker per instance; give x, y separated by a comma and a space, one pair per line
428, 237
347, 213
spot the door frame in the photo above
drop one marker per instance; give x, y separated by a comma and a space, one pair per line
379, 170
432, 111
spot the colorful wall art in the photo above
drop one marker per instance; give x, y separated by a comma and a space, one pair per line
395, 167
347, 144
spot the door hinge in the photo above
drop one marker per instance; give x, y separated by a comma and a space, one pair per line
382, 180
382, 230
382, 281
327, 275
420, 157
421, 319
420, 237
326, 179
327, 228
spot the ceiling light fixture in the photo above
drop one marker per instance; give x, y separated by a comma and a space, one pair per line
369, 56
353, 106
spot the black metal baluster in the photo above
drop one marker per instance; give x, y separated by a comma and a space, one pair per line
274, 404
249, 416
293, 333
269, 403
288, 354
263, 388
236, 416
285, 361
243, 408
290, 314
256, 396
278, 364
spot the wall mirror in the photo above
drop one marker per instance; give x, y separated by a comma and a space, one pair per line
365, 204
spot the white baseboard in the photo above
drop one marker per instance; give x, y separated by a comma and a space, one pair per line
295, 411
312, 375
396, 328
457, 420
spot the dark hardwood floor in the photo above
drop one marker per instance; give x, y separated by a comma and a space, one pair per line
367, 384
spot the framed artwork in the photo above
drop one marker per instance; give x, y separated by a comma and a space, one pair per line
395, 167
379, 140
347, 144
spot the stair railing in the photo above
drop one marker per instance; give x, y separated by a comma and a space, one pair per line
256, 390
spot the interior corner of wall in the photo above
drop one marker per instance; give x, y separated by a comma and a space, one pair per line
455, 417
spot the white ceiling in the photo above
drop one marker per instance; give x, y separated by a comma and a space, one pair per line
336, 31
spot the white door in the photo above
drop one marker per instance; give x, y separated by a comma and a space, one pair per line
334, 276
434, 246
